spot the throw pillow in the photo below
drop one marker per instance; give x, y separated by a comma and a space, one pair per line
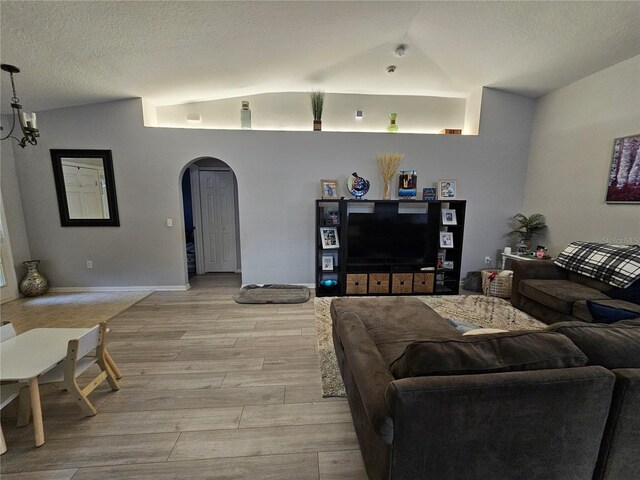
608, 314
629, 294
611, 346
498, 352
484, 331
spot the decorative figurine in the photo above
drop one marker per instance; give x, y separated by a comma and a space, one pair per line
357, 186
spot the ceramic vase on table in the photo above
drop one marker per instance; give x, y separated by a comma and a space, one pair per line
33, 283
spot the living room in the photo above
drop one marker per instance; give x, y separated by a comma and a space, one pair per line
546, 150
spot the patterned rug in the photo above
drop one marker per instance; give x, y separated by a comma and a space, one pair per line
479, 310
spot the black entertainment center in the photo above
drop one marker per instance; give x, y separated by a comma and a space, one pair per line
388, 247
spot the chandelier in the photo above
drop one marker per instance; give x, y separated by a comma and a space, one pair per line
26, 120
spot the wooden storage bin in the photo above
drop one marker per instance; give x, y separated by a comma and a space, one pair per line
401, 282
356, 283
378, 283
423, 282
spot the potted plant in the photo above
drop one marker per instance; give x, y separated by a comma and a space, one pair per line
527, 227
317, 102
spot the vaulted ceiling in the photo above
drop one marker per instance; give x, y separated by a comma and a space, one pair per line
169, 52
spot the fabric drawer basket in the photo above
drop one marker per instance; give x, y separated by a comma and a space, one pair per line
497, 283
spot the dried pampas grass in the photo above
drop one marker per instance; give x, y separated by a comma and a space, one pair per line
388, 164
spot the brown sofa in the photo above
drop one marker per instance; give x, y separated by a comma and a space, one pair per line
616, 347
445, 417
553, 294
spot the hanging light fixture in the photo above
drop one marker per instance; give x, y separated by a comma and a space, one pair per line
26, 120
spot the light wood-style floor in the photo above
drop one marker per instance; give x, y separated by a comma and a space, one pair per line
212, 389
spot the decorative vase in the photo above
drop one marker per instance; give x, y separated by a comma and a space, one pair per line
317, 125
245, 116
386, 195
33, 283
392, 128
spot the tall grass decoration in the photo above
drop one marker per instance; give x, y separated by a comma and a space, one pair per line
388, 164
317, 102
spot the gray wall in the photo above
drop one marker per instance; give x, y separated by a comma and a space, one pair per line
278, 179
570, 157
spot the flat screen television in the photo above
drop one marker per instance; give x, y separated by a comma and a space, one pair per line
389, 237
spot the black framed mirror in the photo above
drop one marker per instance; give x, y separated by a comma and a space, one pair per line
86, 188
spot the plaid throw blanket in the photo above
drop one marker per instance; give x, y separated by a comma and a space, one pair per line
617, 265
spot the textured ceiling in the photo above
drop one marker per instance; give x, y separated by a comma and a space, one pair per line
168, 52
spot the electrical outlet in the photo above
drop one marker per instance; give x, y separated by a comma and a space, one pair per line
89, 263
488, 261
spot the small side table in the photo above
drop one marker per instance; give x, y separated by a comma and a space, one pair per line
512, 257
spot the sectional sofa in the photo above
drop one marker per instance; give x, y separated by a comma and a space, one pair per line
553, 294
428, 403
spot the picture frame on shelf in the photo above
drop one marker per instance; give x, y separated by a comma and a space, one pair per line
329, 189
448, 265
440, 262
331, 217
429, 193
329, 237
407, 181
448, 189
449, 216
446, 239
623, 186
327, 263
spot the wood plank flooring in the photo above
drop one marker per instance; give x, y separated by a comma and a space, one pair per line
70, 310
211, 389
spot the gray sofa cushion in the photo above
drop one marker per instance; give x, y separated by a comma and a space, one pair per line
588, 282
499, 352
394, 322
559, 295
612, 346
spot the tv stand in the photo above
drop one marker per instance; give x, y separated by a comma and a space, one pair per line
434, 271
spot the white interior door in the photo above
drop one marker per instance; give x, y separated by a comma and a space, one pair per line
217, 205
83, 189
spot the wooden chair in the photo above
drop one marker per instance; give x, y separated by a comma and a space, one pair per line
7, 331
78, 361
8, 391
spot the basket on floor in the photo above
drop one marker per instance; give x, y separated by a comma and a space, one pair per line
497, 283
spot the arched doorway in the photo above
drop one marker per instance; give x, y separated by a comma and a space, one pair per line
211, 221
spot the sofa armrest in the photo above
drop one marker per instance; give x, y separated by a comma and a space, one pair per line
371, 374
533, 269
500, 425
619, 450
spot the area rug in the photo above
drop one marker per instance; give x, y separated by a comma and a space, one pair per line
273, 294
489, 312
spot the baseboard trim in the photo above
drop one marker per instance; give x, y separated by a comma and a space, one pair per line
308, 285
146, 288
